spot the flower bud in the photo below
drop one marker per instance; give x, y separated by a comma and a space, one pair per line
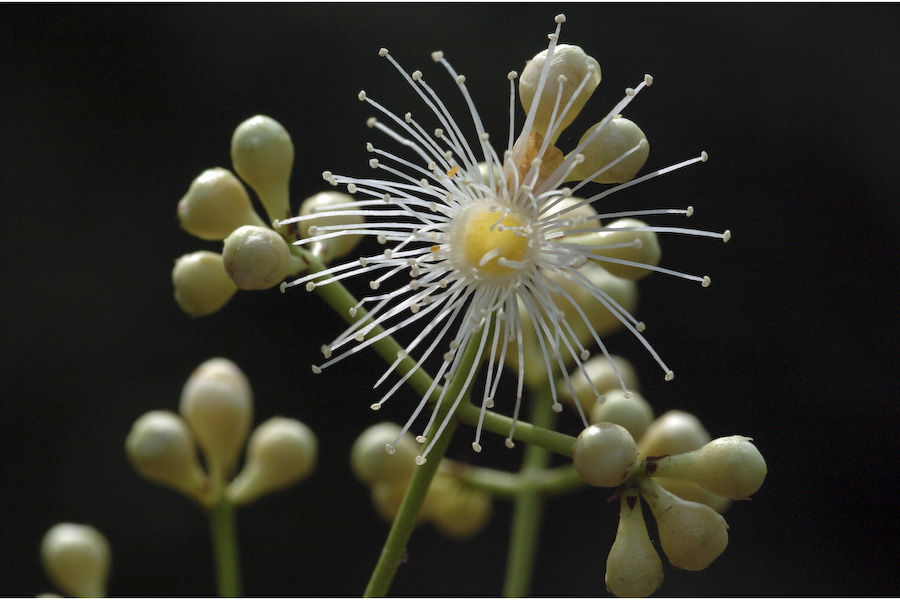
215, 205
616, 138
458, 511
604, 455
201, 284
728, 466
581, 217
280, 453
674, 432
77, 559
161, 448
262, 154
633, 568
257, 258
603, 377
338, 246
217, 403
574, 65
387, 496
373, 461
694, 493
643, 248
630, 410
692, 535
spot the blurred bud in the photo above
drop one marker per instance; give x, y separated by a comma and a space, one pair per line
569, 65
77, 559
674, 432
337, 246
616, 138
694, 493
604, 455
262, 154
603, 377
201, 284
457, 511
257, 258
280, 453
634, 246
217, 403
628, 409
387, 495
215, 205
161, 448
375, 456
692, 535
633, 568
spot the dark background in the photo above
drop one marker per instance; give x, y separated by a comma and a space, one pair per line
109, 112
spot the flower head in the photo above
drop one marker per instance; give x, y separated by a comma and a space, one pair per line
479, 240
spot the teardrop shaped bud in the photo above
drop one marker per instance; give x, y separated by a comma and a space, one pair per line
372, 461
201, 284
258, 258
692, 535
618, 137
323, 202
628, 409
633, 567
387, 496
673, 433
217, 403
215, 205
280, 453
457, 511
632, 243
262, 153
694, 493
728, 466
604, 455
161, 448
77, 559
603, 377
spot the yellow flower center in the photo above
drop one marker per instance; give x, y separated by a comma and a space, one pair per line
484, 239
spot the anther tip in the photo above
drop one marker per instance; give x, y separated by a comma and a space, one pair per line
690, 211
389, 448
557, 407
316, 370
421, 439
370, 122
670, 375
706, 281
726, 236
648, 79
640, 326
382, 52
437, 55
704, 156
476, 446
512, 75
282, 286
310, 286
509, 443
361, 95
421, 460
560, 18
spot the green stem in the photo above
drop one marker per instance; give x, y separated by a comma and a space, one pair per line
225, 548
544, 437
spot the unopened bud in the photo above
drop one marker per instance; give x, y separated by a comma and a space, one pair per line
201, 284
728, 466
262, 154
371, 461
628, 409
340, 245
458, 511
633, 568
634, 246
604, 455
258, 258
387, 496
77, 559
603, 377
617, 137
674, 432
694, 493
215, 205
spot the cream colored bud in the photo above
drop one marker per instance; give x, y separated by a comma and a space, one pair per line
692, 535
334, 247
603, 377
280, 453
694, 493
77, 559
580, 217
574, 65
617, 137
633, 568
215, 205
161, 448
263, 155
257, 258
201, 284
217, 403
673, 433
729, 466
628, 409
483, 169
643, 247
387, 495
372, 461
604, 455
458, 511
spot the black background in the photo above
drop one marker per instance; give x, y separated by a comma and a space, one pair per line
109, 112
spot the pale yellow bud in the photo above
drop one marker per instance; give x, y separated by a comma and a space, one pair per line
77, 559
335, 247
387, 495
729, 466
628, 409
582, 217
457, 511
215, 205
643, 247
617, 137
573, 65
161, 448
262, 154
692, 535
604, 455
201, 284
633, 567
376, 457
217, 403
280, 453
673, 433
603, 377
257, 258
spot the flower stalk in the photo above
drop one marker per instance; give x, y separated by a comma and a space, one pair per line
223, 525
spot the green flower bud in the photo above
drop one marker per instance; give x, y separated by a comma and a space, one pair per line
161, 448
215, 205
692, 535
603, 377
604, 455
77, 559
674, 432
217, 403
375, 456
262, 154
616, 138
728, 466
257, 258
643, 248
458, 511
201, 284
387, 495
633, 568
630, 410
335, 247
570, 65
280, 453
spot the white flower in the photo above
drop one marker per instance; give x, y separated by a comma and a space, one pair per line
470, 243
